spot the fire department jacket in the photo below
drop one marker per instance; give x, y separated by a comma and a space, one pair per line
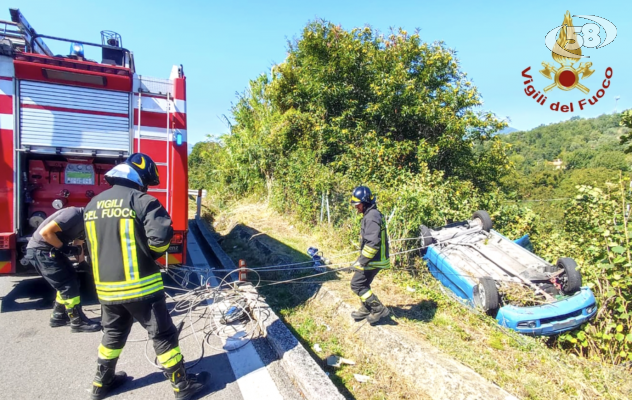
373, 241
126, 231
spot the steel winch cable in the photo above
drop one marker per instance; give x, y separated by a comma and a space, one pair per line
212, 310
217, 321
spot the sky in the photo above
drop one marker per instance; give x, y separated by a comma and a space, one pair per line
223, 45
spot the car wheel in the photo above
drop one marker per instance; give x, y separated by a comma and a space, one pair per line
425, 237
484, 219
486, 295
572, 279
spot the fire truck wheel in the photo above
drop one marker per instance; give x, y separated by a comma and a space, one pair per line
571, 279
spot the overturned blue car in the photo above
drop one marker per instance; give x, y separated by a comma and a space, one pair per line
506, 280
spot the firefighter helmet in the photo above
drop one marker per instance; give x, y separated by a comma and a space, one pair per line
123, 172
362, 194
145, 167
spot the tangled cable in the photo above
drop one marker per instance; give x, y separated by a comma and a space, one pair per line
213, 308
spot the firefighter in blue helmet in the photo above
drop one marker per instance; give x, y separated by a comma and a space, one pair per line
373, 258
127, 230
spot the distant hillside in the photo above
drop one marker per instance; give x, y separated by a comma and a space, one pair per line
552, 160
507, 130
578, 142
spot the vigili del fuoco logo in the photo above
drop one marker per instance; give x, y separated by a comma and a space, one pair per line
567, 52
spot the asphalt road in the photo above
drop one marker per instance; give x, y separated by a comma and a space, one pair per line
39, 362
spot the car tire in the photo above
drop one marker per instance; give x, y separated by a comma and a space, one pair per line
573, 277
486, 295
425, 236
425, 240
484, 218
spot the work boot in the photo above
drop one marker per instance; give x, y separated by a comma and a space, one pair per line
361, 313
185, 386
378, 311
106, 379
59, 317
80, 323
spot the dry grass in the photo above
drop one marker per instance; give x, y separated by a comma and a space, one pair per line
520, 295
522, 365
320, 325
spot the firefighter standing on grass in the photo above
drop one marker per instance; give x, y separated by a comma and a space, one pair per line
373, 257
48, 251
127, 230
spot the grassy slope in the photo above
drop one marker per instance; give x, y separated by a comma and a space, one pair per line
524, 366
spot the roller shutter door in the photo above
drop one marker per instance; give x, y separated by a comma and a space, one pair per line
68, 119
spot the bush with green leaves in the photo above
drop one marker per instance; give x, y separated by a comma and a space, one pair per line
597, 230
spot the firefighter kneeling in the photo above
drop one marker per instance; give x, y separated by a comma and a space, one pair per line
373, 256
127, 230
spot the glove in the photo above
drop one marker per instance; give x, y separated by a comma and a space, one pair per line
353, 266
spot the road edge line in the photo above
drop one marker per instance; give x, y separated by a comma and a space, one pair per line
308, 376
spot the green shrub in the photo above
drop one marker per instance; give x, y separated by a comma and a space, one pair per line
597, 229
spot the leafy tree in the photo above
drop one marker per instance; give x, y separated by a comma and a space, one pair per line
612, 160
199, 168
374, 106
351, 107
580, 158
626, 121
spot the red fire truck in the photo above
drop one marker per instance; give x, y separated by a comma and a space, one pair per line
66, 120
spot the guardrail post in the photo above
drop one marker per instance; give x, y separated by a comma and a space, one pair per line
242, 271
199, 203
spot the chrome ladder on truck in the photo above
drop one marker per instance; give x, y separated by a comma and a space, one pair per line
159, 85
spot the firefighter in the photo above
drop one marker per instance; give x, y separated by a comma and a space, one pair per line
48, 251
127, 231
373, 258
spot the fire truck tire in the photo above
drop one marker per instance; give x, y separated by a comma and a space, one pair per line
572, 278
486, 295
484, 218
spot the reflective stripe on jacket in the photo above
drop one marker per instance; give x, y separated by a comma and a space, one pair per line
373, 242
126, 231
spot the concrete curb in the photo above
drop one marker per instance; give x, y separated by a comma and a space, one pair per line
297, 362
305, 372
434, 373
218, 252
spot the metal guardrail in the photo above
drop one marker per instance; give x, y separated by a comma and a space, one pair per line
198, 194
194, 192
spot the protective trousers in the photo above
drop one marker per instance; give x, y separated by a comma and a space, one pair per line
59, 273
361, 282
153, 315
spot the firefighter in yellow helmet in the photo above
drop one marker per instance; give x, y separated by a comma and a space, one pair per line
127, 230
373, 258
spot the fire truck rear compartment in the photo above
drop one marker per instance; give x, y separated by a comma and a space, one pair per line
52, 182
